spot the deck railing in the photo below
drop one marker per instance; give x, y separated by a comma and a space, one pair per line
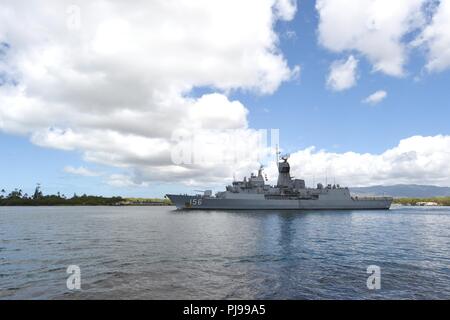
371, 198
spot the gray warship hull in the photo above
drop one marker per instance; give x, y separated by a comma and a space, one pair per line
188, 202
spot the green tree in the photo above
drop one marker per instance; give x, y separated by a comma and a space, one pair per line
15, 194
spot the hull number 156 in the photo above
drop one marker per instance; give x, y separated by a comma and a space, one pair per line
196, 202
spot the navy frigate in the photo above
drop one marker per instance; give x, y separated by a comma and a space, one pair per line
287, 194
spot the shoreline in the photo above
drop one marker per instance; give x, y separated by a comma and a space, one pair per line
87, 200
165, 205
87, 205
57, 201
423, 202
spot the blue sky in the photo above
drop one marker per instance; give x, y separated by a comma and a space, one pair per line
307, 112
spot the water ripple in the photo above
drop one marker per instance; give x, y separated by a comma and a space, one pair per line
158, 253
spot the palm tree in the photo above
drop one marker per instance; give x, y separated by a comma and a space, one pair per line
37, 192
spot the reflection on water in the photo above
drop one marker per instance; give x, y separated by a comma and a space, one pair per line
160, 253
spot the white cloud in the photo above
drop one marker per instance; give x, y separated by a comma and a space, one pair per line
81, 171
342, 74
122, 181
418, 159
436, 38
286, 9
290, 34
376, 97
374, 28
118, 86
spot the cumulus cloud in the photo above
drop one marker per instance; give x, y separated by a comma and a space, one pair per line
122, 181
115, 81
342, 74
376, 97
436, 38
81, 171
286, 9
374, 28
418, 159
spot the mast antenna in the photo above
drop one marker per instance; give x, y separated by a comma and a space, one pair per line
277, 155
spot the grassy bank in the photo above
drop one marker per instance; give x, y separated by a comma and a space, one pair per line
442, 201
146, 202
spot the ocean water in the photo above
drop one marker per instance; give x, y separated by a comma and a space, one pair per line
160, 253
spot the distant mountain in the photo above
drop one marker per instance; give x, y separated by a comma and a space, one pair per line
403, 191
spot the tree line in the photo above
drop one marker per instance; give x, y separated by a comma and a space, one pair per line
17, 197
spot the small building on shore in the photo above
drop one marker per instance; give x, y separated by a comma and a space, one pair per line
427, 204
